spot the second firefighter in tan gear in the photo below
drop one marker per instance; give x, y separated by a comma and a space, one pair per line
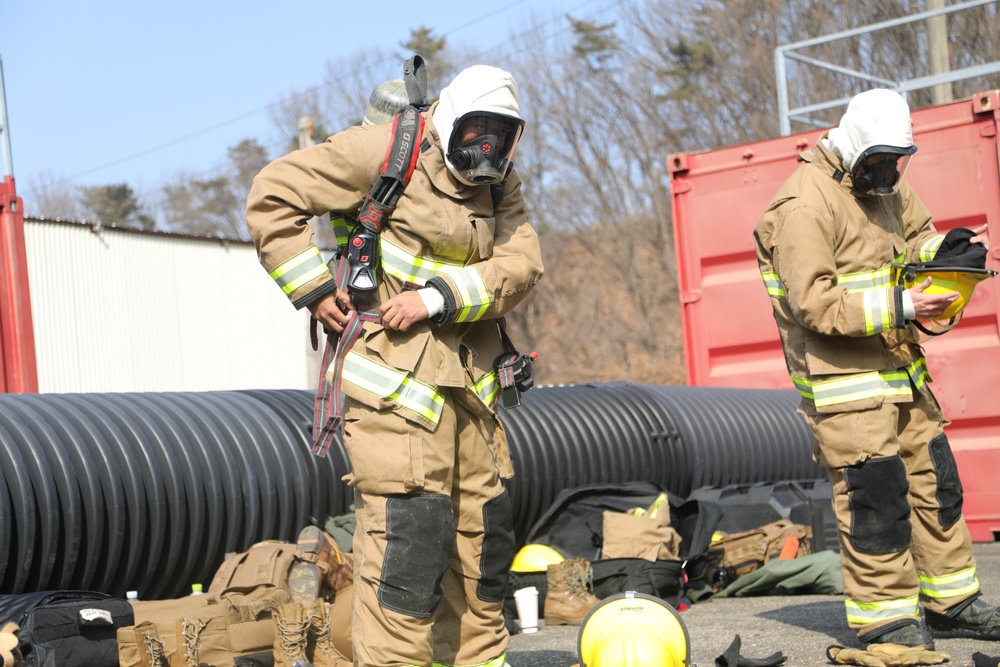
825, 246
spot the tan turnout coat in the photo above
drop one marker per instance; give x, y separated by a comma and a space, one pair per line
438, 219
819, 245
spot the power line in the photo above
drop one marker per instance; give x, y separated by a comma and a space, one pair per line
604, 7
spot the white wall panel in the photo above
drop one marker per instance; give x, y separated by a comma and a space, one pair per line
119, 311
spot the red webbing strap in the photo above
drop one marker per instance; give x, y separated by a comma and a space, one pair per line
329, 400
397, 168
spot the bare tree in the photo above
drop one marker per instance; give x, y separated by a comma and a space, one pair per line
49, 196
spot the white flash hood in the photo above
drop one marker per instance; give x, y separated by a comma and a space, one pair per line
476, 88
877, 117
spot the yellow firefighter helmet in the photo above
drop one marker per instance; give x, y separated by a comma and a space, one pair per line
959, 280
633, 630
535, 558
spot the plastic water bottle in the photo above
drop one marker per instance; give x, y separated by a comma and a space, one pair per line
196, 589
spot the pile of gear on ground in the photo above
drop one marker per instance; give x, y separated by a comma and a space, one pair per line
601, 555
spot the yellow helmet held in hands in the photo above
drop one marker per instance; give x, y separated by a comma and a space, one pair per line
944, 280
633, 630
535, 558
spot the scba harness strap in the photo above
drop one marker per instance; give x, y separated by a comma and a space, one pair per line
357, 266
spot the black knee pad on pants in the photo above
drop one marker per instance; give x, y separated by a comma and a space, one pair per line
420, 536
949, 486
498, 549
880, 511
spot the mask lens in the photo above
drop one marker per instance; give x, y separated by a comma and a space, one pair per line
500, 131
880, 168
482, 144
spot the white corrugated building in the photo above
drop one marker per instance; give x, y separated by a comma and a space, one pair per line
121, 310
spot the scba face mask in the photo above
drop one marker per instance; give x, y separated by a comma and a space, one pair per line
880, 168
481, 145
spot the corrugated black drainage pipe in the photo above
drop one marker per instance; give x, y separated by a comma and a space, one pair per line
116, 492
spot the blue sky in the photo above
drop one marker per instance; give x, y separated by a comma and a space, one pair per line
110, 91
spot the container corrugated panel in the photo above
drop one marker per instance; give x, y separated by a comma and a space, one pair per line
730, 336
117, 310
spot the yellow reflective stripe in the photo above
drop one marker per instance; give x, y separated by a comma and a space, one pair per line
773, 284
487, 387
410, 268
960, 584
394, 385
340, 228
472, 290
918, 373
930, 248
863, 613
804, 387
299, 270
876, 307
859, 387
865, 280
499, 661
475, 298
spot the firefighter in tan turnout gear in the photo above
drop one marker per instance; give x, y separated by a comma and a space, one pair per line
825, 246
434, 538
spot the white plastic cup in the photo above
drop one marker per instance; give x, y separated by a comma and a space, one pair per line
527, 608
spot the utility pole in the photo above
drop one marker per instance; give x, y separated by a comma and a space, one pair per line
939, 51
17, 340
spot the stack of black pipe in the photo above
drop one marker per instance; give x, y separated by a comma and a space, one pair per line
150, 491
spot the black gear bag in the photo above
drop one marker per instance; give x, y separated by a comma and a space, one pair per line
67, 628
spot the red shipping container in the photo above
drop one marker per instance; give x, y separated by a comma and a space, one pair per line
730, 336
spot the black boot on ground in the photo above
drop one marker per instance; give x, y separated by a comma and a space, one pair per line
905, 632
974, 615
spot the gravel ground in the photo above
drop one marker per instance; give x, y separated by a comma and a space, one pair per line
801, 627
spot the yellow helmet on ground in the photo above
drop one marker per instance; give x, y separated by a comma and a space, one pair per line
535, 558
633, 630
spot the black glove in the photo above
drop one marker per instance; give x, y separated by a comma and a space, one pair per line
957, 252
983, 660
732, 658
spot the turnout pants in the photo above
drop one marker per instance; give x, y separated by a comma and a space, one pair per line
434, 537
898, 503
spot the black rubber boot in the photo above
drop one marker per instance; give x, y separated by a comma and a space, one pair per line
974, 615
904, 632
